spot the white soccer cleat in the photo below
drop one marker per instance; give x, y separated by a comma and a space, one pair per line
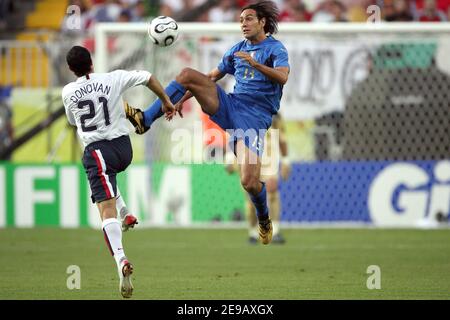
126, 287
128, 222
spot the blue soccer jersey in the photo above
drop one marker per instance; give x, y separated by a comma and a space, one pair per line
251, 85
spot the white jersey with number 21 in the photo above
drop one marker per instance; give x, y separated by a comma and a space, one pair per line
94, 105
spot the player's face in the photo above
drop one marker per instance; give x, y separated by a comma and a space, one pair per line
251, 26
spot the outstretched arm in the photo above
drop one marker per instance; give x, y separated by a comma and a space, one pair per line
167, 106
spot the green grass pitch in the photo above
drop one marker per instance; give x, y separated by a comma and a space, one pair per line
181, 264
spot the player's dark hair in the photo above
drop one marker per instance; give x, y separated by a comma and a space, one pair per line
79, 60
268, 10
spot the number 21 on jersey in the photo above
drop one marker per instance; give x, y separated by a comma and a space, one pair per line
90, 104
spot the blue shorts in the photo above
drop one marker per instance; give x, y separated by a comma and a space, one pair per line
242, 120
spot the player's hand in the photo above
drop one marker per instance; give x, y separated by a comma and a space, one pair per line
179, 108
169, 110
247, 57
286, 169
179, 104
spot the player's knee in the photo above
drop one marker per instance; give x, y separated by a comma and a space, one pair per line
250, 184
185, 76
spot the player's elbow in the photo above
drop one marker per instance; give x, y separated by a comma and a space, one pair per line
283, 80
283, 76
250, 183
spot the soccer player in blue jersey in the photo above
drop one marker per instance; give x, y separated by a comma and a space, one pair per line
260, 66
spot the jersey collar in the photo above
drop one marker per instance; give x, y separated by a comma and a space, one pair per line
83, 78
249, 44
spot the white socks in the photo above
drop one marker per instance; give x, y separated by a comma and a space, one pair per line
120, 205
253, 232
113, 237
276, 227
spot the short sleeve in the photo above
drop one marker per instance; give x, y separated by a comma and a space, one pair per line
281, 57
226, 65
129, 79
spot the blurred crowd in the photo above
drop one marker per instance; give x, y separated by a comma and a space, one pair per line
94, 11
5, 10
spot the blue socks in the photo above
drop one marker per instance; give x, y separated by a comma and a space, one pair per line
175, 91
260, 202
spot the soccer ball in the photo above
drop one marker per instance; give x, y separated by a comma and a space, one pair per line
163, 31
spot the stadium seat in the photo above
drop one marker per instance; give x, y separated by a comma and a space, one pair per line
48, 14
30, 67
24, 67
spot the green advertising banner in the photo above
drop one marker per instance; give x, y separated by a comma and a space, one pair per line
59, 195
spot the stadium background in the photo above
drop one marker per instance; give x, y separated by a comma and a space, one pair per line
366, 109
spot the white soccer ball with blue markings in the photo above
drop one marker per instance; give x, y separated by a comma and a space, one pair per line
163, 31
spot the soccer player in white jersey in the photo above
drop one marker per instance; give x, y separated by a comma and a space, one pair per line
93, 104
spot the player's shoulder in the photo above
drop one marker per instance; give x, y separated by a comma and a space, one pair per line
238, 46
275, 44
105, 75
68, 88
109, 77
122, 71
119, 73
126, 75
